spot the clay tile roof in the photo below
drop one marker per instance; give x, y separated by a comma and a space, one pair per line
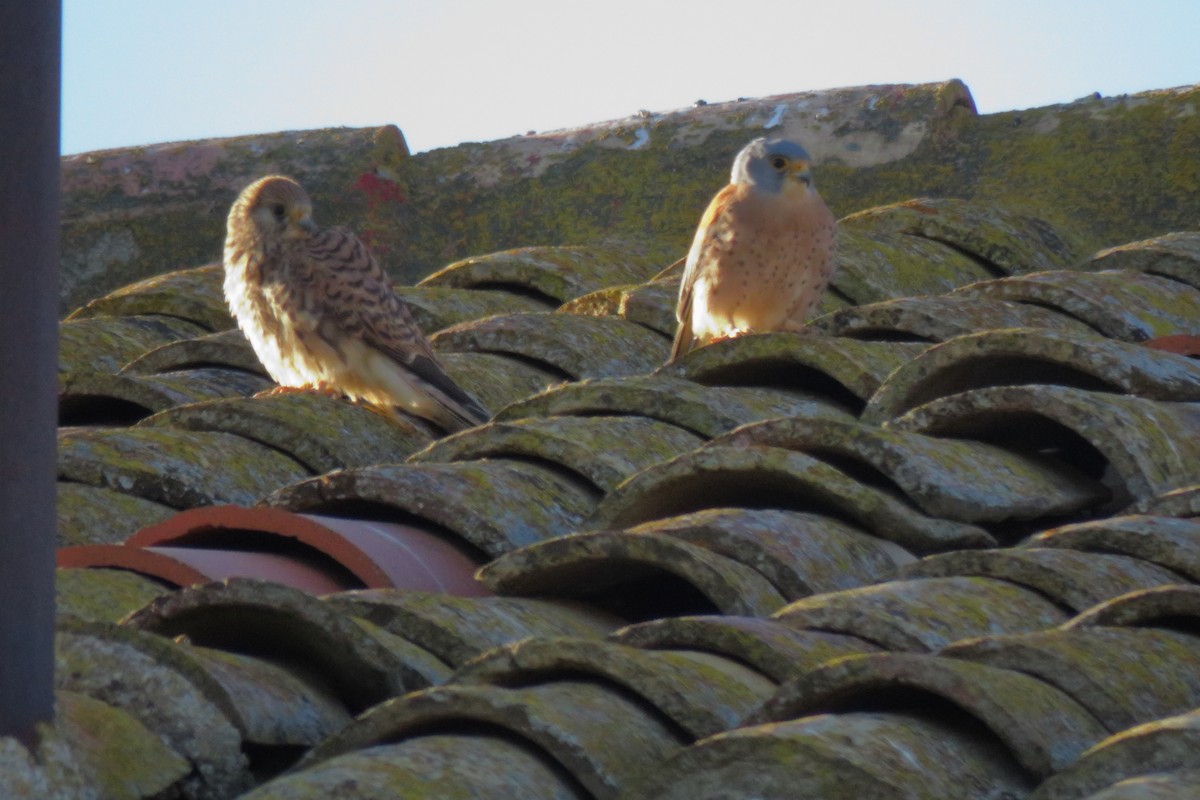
944, 543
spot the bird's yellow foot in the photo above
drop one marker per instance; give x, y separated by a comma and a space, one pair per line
320, 387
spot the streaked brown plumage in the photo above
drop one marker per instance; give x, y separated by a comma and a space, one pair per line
319, 312
762, 254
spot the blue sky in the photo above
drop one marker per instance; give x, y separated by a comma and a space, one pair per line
447, 71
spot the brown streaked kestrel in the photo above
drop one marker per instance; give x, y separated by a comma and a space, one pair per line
320, 314
763, 253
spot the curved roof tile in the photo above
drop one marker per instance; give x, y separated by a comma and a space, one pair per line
1003, 241
97, 515
496, 380
1043, 727
571, 721
852, 755
495, 505
592, 565
1130, 306
704, 410
437, 307
1152, 446
1172, 255
925, 614
773, 477
1123, 676
847, 371
1170, 746
557, 274
274, 622
602, 449
492, 761
801, 554
1070, 578
104, 595
196, 295
871, 266
221, 349
1163, 606
160, 686
725, 691
950, 478
185, 566
106, 344
650, 304
95, 398
936, 319
1169, 542
174, 467
321, 432
456, 628
1032, 356
376, 554
775, 649
575, 346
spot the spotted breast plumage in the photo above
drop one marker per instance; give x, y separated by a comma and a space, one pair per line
320, 314
762, 255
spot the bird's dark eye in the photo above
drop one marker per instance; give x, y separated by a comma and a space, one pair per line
278, 210
778, 162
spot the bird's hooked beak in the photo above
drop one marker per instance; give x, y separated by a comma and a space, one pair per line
802, 172
302, 225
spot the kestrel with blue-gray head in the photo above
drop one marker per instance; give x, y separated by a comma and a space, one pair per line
763, 252
320, 314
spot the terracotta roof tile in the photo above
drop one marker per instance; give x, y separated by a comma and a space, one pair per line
957, 479
1123, 676
97, 515
174, 467
603, 450
1162, 754
1044, 728
320, 432
1147, 443
936, 319
571, 721
106, 344
729, 690
773, 477
1070, 578
195, 294
858, 754
775, 649
97, 398
846, 371
1130, 306
925, 614
573, 346
493, 505
706, 411
627, 574
456, 628
1033, 356
556, 274
162, 687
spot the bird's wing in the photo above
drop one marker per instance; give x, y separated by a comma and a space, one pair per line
707, 240
350, 295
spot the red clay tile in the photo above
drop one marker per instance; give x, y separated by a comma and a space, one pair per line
1182, 344
188, 566
378, 554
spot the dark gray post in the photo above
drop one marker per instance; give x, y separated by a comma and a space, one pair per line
30, 44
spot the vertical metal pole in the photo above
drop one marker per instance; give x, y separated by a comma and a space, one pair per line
30, 45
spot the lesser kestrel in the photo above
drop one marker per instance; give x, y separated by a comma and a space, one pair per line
763, 253
319, 312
